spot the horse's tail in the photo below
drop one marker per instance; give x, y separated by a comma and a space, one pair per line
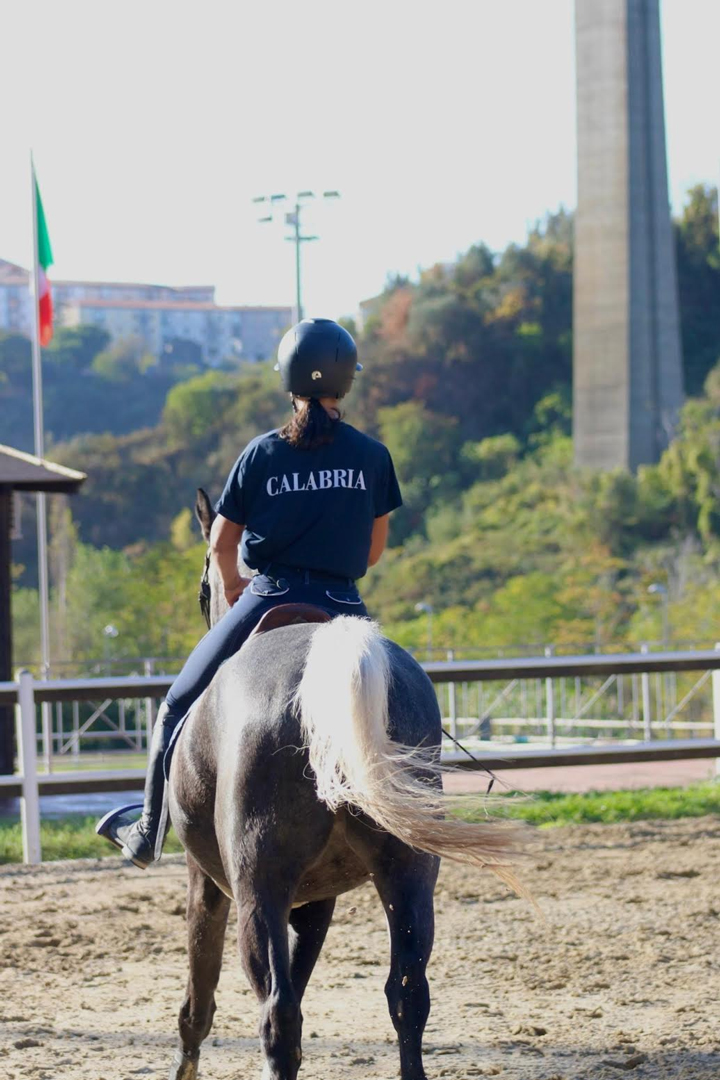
343, 704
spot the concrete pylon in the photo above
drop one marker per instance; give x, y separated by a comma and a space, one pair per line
627, 364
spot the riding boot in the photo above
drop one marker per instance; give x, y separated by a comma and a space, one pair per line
140, 840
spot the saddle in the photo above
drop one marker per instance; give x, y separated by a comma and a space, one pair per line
282, 615
286, 615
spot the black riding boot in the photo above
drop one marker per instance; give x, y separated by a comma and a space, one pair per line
138, 839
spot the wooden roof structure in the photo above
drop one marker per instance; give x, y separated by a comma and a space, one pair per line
20, 472
24, 472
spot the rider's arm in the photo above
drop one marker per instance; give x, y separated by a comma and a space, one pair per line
378, 539
225, 539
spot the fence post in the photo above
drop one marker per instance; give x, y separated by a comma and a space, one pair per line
646, 705
452, 700
46, 715
716, 708
550, 702
76, 731
149, 705
27, 755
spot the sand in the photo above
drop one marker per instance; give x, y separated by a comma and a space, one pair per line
622, 978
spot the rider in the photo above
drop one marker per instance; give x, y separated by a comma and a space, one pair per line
310, 504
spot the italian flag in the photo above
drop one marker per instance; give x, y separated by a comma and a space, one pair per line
45, 260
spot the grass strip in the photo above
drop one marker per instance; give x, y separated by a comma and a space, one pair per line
73, 837
548, 808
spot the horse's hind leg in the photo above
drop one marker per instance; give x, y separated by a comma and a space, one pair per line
207, 914
407, 896
405, 881
263, 916
309, 926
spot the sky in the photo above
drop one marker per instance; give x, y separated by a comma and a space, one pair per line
153, 126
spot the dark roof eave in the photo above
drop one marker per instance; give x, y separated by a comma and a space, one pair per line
53, 487
25, 472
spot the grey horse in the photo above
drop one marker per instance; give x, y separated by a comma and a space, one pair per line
309, 766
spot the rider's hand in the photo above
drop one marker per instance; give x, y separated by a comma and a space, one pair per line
235, 591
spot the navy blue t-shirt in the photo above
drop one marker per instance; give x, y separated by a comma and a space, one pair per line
312, 509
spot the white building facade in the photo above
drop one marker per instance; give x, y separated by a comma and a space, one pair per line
160, 315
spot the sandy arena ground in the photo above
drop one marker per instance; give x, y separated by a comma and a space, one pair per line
623, 979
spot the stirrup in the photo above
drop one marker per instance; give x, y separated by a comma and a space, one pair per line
103, 827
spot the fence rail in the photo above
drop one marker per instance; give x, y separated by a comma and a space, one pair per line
27, 693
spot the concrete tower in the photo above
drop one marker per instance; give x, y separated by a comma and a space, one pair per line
627, 366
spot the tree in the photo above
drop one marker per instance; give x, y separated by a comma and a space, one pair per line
698, 264
16, 409
491, 458
195, 407
123, 360
75, 347
424, 447
15, 359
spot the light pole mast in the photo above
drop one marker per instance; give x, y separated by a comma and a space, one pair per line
297, 239
293, 219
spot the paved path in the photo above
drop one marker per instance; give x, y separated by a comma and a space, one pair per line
590, 777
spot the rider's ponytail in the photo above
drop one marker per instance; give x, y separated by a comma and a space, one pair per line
311, 425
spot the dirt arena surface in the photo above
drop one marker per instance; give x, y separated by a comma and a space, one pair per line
622, 979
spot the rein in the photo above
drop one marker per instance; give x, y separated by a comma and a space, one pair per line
205, 593
465, 750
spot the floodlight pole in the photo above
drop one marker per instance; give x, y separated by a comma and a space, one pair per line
296, 238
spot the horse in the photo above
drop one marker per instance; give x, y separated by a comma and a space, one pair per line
309, 766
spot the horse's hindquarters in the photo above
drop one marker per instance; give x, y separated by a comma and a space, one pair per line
338, 870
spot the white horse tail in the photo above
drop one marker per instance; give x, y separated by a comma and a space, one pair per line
343, 705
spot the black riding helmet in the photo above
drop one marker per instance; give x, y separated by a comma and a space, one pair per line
317, 358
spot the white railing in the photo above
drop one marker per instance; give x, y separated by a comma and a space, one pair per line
27, 693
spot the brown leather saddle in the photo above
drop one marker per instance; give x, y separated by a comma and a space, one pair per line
282, 615
287, 615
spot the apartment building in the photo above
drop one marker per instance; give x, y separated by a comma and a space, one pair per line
161, 315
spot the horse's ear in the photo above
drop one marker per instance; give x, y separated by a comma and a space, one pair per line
204, 512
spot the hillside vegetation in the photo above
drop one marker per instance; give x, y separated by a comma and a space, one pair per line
468, 380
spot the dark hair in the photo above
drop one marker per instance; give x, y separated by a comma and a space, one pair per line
311, 426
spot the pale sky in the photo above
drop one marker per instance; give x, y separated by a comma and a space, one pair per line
442, 124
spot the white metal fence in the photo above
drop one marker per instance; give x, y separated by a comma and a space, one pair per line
646, 700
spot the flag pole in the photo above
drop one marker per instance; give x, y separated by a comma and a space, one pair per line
43, 579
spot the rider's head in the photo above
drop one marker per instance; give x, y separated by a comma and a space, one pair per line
317, 359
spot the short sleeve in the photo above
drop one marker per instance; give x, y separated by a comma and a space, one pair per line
232, 503
387, 491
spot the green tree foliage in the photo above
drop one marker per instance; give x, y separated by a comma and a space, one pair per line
424, 448
75, 347
195, 407
698, 261
82, 374
467, 380
26, 628
16, 406
138, 483
529, 553
481, 341
491, 458
150, 597
123, 361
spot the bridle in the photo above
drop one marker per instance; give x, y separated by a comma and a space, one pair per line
205, 593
